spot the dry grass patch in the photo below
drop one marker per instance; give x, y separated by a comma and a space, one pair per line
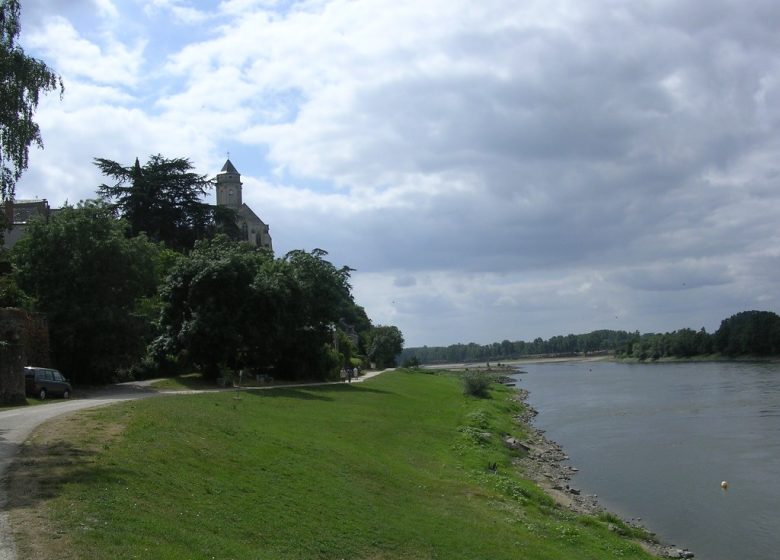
59, 451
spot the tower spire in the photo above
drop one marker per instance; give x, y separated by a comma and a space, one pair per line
229, 186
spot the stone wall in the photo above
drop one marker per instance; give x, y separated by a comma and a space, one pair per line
11, 376
24, 341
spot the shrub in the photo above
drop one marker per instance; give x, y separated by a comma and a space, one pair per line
411, 363
476, 384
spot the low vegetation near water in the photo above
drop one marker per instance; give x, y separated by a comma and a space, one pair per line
396, 467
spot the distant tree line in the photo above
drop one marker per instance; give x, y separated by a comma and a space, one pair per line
596, 341
148, 279
749, 333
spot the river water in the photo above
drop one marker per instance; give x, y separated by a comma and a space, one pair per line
654, 441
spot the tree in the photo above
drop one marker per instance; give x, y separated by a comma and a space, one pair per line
230, 305
385, 343
749, 332
208, 306
83, 271
164, 199
22, 79
10, 293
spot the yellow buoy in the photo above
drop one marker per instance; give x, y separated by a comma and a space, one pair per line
724, 484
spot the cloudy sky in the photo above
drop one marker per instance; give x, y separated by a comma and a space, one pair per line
493, 169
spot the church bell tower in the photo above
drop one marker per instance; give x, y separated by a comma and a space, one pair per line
229, 187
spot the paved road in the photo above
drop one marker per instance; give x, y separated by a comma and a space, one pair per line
17, 424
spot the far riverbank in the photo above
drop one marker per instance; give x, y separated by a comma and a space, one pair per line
510, 365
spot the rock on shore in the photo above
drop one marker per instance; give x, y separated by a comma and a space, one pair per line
542, 461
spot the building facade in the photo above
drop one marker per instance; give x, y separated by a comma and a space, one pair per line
17, 214
253, 230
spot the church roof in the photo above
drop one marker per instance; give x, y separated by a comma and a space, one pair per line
248, 214
229, 168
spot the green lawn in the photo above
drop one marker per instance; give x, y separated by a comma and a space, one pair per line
183, 383
28, 401
392, 468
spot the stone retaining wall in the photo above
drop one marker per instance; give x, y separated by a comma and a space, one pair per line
24, 340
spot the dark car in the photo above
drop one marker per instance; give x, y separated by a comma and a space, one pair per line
42, 382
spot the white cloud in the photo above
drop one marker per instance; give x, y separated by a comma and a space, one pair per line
77, 58
182, 11
106, 9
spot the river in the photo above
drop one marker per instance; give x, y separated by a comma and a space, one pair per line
654, 441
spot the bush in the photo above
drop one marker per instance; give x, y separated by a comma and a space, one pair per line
411, 363
145, 368
476, 384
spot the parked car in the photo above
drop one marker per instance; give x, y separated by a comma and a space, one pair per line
42, 382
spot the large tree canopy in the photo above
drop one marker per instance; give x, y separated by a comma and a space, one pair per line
207, 317
164, 199
88, 277
749, 332
385, 343
230, 305
22, 78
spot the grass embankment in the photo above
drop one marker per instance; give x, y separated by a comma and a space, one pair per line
27, 402
393, 468
196, 381
183, 383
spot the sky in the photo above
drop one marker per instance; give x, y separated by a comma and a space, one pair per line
501, 169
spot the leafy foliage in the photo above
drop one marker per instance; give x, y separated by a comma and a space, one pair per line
749, 332
22, 79
476, 384
231, 305
207, 304
10, 293
385, 343
164, 199
88, 277
683, 343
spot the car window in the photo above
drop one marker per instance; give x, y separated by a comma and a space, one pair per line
58, 376
47, 375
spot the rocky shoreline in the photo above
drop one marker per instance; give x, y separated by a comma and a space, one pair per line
543, 460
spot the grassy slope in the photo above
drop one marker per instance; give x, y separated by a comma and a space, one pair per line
393, 468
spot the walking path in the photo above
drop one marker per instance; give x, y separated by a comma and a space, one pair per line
17, 424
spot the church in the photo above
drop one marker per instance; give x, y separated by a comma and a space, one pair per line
253, 229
